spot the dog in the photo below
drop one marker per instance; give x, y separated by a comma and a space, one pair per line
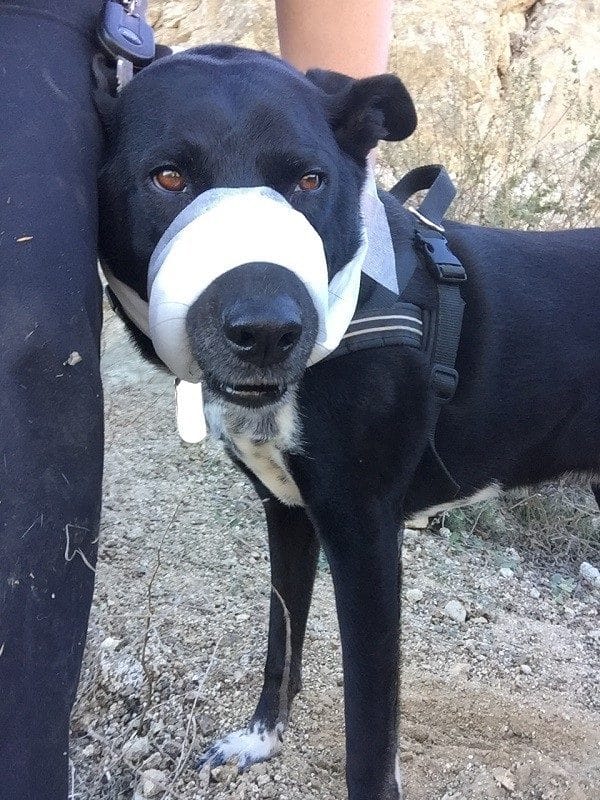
338, 451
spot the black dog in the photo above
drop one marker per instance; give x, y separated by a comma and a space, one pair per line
338, 451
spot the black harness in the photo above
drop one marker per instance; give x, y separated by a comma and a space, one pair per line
384, 318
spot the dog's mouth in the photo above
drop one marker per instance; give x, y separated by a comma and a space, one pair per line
247, 394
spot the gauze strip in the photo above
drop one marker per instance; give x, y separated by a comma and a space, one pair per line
219, 231
223, 229
380, 260
226, 228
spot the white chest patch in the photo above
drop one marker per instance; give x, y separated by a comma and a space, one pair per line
260, 438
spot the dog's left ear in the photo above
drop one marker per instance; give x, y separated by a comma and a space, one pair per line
364, 111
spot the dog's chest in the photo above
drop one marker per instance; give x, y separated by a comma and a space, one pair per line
260, 439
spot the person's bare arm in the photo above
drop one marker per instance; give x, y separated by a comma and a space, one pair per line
349, 36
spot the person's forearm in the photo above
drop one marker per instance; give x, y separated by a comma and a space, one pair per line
351, 36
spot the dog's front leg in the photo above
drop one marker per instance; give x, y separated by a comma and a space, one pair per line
294, 551
363, 552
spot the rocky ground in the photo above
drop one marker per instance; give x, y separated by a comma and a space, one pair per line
501, 697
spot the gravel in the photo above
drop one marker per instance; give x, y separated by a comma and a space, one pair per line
503, 689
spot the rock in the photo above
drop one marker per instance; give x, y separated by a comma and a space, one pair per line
505, 778
535, 593
206, 725
456, 670
120, 673
590, 574
506, 572
455, 610
525, 669
152, 782
414, 595
135, 749
224, 774
110, 643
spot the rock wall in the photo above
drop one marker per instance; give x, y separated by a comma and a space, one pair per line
508, 93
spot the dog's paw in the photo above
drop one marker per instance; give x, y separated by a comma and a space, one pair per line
244, 748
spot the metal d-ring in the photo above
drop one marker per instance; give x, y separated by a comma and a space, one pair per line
425, 220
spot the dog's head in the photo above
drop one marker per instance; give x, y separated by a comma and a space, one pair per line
191, 129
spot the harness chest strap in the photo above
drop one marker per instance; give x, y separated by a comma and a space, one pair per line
403, 323
448, 273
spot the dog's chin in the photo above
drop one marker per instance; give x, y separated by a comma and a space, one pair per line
248, 395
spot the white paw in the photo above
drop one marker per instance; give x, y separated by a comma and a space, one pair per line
244, 748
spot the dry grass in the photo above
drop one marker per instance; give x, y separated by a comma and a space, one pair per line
555, 526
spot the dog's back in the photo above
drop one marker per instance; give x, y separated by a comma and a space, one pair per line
528, 403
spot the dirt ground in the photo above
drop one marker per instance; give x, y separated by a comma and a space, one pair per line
504, 704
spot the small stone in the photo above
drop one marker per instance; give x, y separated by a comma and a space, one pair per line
414, 595
455, 610
525, 669
206, 725
155, 761
110, 643
136, 748
505, 778
590, 574
88, 751
535, 593
523, 775
456, 670
506, 572
259, 769
153, 782
224, 774
204, 777
262, 780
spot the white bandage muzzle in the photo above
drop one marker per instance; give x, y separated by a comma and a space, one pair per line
223, 229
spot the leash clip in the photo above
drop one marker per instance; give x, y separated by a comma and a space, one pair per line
125, 35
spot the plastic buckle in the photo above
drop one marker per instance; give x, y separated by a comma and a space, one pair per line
444, 381
441, 261
124, 33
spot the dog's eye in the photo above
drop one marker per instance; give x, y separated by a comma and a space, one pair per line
169, 179
310, 182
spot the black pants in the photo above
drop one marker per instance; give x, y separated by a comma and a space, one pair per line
50, 398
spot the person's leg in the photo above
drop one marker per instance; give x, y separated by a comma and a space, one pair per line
50, 391
352, 37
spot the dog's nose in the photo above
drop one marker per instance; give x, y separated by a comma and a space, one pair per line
263, 335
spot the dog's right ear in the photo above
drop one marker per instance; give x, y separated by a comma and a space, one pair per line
363, 111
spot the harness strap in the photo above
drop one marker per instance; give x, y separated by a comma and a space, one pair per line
441, 193
448, 273
401, 323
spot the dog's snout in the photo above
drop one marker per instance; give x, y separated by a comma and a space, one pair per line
263, 335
